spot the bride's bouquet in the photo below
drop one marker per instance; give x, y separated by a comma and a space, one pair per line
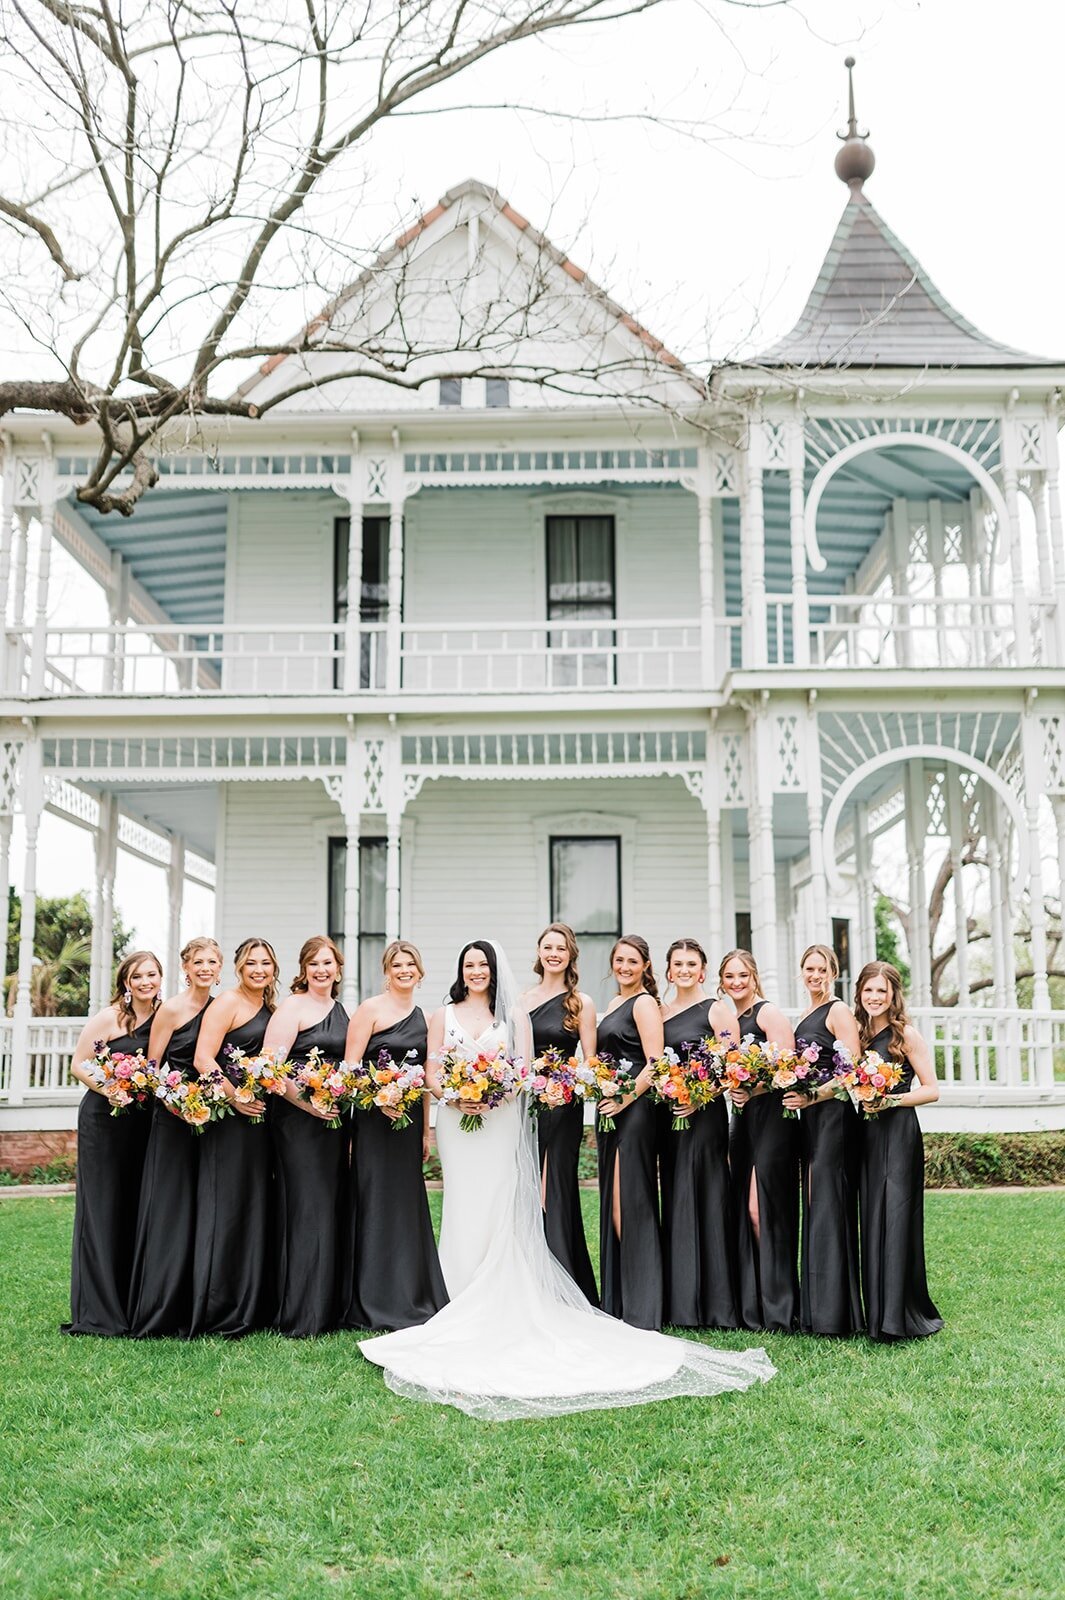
557, 1080
868, 1082
196, 1100
255, 1076
125, 1077
612, 1080
330, 1086
485, 1078
386, 1084
688, 1085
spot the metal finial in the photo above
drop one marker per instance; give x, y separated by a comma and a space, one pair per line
855, 162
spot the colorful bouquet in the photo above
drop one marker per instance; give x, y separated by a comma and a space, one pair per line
748, 1065
255, 1076
611, 1080
331, 1086
487, 1078
196, 1100
801, 1071
389, 1085
125, 1078
687, 1085
868, 1082
557, 1080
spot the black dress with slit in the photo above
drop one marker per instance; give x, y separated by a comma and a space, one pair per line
891, 1189
232, 1290
110, 1168
160, 1300
764, 1142
310, 1162
390, 1271
630, 1268
697, 1241
830, 1299
560, 1134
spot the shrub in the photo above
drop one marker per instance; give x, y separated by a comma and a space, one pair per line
971, 1160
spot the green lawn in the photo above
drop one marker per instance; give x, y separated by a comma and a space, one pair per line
273, 1469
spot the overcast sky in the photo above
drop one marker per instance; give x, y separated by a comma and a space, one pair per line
714, 236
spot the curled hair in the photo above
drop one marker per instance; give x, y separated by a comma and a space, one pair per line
202, 941
897, 1017
748, 961
308, 950
240, 961
830, 958
572, 1006
127, 966
685, 944
458, 991
402, 947
643, 950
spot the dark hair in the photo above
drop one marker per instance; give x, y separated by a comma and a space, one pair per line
685, 944
572, 1005
897, 1017
240, 961
127, 966
458, 991
307, 954
643, 950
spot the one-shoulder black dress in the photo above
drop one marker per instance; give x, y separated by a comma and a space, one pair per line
764, 1142
630, 1268
110, 1168
160, 1300
390, 1271
231, 1269
697, 1242
310, 1161
829, 1144
560, 1134
891, 1190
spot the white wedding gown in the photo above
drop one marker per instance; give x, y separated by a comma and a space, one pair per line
517, 1338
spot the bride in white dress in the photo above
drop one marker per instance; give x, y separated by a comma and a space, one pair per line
517, 1337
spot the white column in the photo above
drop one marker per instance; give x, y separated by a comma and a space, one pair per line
46, 514
1022, 621
175, 898
7, 521
916, 831
352, 624
393, 821
32, 806
707, 624
728, 890
351, 804
863, 884
106, 866
715, 931
764, 886
956, 830
6, 823
1034, 779
937, 556
393, 673
752, 556
1058, 803
900, 569
1057, 534
118, 615
800, 604
814, 821
999, 919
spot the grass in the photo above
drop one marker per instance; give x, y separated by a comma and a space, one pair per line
267, 1470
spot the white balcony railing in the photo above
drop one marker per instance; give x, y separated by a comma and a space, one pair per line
530, 657
52, 1041
905, 631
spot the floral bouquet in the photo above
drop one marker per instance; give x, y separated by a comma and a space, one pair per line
868, 1082
196, 1100
557, 1080
748, 1065
802, 1071
126, 1079
612, 1080
688, 1085
487, 1078
386, 1084
331, 1086
255, 1076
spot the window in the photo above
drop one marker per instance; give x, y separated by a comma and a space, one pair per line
450, 391
841, 944
580, 589
373, 594
743, 930
497, 393
586, 893
372, 938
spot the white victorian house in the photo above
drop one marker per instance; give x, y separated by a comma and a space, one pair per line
586, 639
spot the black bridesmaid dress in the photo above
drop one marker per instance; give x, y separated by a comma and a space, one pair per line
110, 1167
891, 1189
310, 1160
630, 1267
764, 1142
560, 1135
390, 1276
697, 1243
160, 1301
231, 1278
830, 1299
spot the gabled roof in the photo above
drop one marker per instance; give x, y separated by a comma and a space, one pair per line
873, 305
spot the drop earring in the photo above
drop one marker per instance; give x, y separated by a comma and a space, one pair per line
128, 997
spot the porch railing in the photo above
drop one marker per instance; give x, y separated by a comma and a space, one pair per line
906, 631
52, 1041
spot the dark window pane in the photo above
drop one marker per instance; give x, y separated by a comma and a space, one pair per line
450, 391
371, 907
580, 589
841, 944
586, 893
743, 930
496, 392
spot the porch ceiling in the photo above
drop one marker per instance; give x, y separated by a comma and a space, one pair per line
175, 545
189, 809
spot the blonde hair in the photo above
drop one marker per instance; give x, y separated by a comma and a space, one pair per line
831, 960
240, 961
897, 1017
638, 943
572, 1006
747, 960
308, 950
402, 947
202, 941
126, 967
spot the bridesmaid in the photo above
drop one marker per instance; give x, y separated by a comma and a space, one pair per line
629, 1232
830, 1299
310, 1158
160, 1301
764, 1159
230, 1266
894, 1282
110, 1156
390, 1274
700, 1271
562, 1018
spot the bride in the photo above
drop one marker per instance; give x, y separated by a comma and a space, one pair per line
518, 1338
